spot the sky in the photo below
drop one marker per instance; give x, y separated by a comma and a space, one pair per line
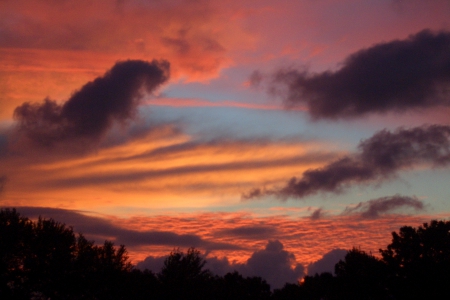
271, 136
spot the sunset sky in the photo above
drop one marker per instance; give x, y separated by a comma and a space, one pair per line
256, 131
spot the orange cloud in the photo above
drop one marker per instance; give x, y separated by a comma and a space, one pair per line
308, 240
51, 48
177, 102
163, 167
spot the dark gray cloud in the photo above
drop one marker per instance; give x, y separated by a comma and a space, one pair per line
327, 262
101, 229
379, 158
373, 208
274, 264
152, 263
395, 76
317, 214
93, 109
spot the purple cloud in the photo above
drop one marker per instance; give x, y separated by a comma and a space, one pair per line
379, 158
395, 76
92, 110
373, 208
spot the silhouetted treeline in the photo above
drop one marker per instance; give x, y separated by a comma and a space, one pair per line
416, 265
47, 260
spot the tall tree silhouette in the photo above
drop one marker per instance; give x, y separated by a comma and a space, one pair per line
46, 259
361, 276
184, 277
419, 260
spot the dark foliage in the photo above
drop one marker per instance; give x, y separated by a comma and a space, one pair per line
419, 261
44, 259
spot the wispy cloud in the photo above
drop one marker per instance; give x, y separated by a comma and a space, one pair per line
177, 102
101, 229
379, 158
374, 208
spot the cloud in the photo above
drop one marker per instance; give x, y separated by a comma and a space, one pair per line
102, 229
275, 265
379, 157
327, 262
92, 110
249, 231
395, 76
373, 208
153, 263
180, 31
317, 214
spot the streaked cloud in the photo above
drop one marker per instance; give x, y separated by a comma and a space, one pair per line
380, 157
101, 228
374, 208
160, 161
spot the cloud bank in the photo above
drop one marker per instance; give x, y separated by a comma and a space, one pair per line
274, 264
93, 109
101, 229
379, 158
327, 262
395, 76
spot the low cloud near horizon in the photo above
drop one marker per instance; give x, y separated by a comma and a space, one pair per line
274, 264
103, 229
327, 262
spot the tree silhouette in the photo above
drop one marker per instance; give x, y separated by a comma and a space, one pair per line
419, 261
15, 234
361, 276
184, 277
44, 259
235, 286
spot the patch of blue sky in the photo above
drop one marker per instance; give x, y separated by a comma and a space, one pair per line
234, 122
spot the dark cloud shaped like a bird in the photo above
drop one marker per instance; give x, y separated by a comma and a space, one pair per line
373, 208
92, 110
395, 76
379, 158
